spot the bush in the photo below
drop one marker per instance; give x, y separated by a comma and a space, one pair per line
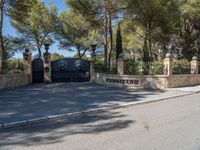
133, 67
157, 68
101, 68
12, 66
181, 66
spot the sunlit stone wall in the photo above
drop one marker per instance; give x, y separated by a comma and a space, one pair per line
147, 81
14, 80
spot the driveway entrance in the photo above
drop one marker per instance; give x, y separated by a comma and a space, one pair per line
70, 70
41, 100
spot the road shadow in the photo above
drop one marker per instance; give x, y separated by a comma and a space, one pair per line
42, 100
55, 131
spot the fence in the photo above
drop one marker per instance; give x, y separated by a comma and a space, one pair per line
133, 67
101, 68
182, 66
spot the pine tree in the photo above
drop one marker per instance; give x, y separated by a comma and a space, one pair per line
118, 42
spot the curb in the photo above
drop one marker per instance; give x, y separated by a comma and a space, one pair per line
78, 114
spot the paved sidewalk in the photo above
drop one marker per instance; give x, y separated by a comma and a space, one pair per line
40, 100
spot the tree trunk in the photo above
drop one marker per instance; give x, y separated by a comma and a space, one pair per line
145, 48
39, 52
1, 36
106, 33
111, 36
79, 52
150, 41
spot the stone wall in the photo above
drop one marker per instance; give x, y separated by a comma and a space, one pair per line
147, 81
183, 80
14, 80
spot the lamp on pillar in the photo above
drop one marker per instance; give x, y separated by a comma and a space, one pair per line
93, 46
93, 55
46, 45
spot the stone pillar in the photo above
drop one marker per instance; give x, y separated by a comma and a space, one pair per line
92, 67
194, 65
120, 66
47, 67
27, 63
92, 71
168, 64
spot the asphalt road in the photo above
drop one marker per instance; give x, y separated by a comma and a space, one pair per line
34, 101
166, 125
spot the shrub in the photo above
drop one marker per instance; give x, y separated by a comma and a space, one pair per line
181, 66
133, 67
157, 68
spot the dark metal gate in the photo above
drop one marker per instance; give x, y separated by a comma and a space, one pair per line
70, 70
37, 71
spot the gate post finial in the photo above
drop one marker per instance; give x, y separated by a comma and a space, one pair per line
194, 65
27, 63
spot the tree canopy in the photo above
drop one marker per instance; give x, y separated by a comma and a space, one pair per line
146, 26
36, 26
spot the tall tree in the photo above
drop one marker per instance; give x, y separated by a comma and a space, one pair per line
36, 26
118, 42
152, 16
101, 14
74, 32
18, 7
189, 27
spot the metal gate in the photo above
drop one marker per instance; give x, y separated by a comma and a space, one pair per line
37, 71
70, 70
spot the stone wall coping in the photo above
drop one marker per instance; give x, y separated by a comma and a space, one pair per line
147, 76
10, 75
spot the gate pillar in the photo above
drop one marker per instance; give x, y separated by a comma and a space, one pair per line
92, 71
47, 67
92, 66
27, 63
168, 65
120, 64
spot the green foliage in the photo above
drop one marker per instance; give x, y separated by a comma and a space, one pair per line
100, 67
155, 18
75, 32
189, 26
9, 47
133, 67
56, 56
157, 68
118, 42
181, 66
36, 25
13, 65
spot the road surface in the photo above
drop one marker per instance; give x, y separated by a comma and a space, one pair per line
166, 125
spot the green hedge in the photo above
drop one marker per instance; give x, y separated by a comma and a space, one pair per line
133, 67
181, 66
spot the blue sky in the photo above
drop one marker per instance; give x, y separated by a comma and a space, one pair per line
54, 48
